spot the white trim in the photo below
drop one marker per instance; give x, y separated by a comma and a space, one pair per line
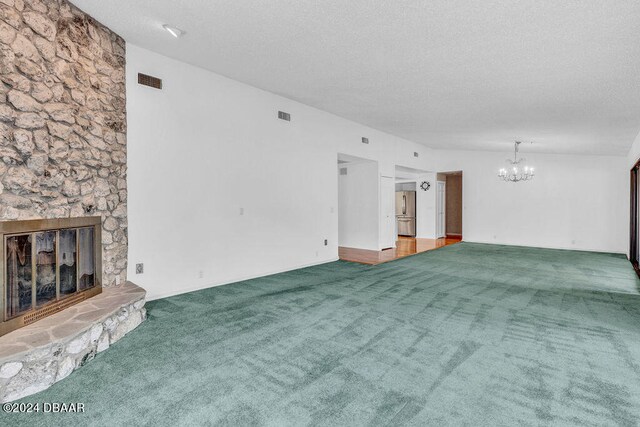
563, 248
381, 216
441, 233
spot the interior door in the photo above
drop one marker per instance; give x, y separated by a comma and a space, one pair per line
637, 212
387, 213
440, 210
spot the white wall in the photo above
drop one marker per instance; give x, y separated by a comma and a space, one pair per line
574, 202
358, 206
206, 146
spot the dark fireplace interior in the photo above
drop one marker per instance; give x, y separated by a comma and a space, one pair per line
18, 274
45, 268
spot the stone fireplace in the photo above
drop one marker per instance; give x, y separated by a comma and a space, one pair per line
48, 265
63, 194
56, 314
63, 150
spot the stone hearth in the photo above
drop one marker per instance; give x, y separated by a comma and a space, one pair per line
36, 356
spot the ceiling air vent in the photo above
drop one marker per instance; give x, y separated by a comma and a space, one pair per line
415, 154
365, 140
284, 116
343, 171
150, 81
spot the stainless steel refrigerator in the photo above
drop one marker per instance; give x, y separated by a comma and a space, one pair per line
406, 213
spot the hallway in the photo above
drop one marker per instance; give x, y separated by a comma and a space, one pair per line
405, 246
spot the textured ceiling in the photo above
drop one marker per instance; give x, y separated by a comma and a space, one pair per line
459, 74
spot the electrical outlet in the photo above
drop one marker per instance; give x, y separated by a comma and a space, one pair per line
200, 274
241, 211
139, 268
326, 242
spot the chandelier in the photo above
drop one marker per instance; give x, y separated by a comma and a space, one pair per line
517, 169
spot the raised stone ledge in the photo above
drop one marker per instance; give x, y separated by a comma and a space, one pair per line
34, 357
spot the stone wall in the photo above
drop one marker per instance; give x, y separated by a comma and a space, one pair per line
63, 122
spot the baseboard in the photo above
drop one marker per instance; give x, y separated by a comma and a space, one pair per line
240, 279
564, 248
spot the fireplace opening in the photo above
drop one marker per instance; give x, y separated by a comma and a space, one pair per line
48, 266
18, 274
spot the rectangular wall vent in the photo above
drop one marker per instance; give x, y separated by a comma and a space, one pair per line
284, 116
150, 81
343, 171
365, 140
415, 154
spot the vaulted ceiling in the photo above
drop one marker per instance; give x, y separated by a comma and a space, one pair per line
458, 74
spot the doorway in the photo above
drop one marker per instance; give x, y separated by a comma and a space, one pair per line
440, 210
405, 209
413, 209
387, 213
449, 205
634, 229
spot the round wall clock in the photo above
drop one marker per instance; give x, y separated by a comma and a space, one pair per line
425, 185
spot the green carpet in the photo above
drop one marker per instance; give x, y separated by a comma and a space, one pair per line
469, 334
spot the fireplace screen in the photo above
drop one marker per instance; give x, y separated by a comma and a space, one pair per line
48, 265
86, 267
67, 262
19, 270
45, 267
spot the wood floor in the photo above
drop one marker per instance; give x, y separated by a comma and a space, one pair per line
405, 246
